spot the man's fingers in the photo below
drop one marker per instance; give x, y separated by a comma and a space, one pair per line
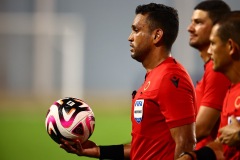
79, 149
66, 148
234, 120
221, 129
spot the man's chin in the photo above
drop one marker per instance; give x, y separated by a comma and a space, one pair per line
216, 69
136, 58
194, 45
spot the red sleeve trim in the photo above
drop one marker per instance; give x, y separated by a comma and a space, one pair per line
211, 105
181, 122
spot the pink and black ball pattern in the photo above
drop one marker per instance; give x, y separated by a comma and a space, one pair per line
69, 107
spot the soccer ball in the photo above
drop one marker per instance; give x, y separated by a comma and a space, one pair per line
70, 119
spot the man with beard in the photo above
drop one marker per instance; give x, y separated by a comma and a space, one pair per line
163, 108
211, 89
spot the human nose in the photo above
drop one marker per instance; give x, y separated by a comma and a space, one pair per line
130, 37
190, 27
209, 51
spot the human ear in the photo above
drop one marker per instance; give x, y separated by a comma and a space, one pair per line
158, 35
233, 49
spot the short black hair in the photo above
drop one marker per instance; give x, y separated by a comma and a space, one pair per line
164, 17
229, 27
216, 9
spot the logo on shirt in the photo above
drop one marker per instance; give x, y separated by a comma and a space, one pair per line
147, 85
138, 110
237, 102
175, 81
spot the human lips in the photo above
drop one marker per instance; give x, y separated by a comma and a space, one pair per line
212, 58
191, 36
131, 45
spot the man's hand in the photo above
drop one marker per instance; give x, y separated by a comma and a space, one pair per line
186, 157
88, 148
230, 133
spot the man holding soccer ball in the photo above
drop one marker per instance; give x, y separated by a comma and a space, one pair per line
163, 108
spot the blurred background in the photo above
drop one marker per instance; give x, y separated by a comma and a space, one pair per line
50, 49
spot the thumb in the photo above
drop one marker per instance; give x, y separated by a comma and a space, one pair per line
221, 129
234, 120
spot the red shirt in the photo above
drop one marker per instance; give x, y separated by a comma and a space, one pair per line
165, 100
231, 107
210, 92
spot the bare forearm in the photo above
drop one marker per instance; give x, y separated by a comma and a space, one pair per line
184, 137
127, 149
206, 120
183, 147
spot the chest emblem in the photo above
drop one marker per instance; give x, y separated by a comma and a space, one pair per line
175, 81
147, 85
237, 102
138, 110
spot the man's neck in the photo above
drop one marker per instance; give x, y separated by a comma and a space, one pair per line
154, 59
233, 73
204, 55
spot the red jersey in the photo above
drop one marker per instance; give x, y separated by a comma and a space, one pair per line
231, 107
165, 100
210, 92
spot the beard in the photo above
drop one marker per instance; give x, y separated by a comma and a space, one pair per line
199, 45
136, 57
140, 54
194, 45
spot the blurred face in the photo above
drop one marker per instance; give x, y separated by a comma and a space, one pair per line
219, 51
140, 38
200, 29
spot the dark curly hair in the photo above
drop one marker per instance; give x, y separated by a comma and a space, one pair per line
164, 17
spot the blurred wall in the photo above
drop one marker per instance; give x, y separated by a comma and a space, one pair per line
79, 47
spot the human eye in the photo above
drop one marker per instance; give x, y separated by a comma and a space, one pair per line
211, 43
197, 21
135, 29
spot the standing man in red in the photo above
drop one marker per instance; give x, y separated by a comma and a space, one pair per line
212, 88
166, 99
163, 108
225, 52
